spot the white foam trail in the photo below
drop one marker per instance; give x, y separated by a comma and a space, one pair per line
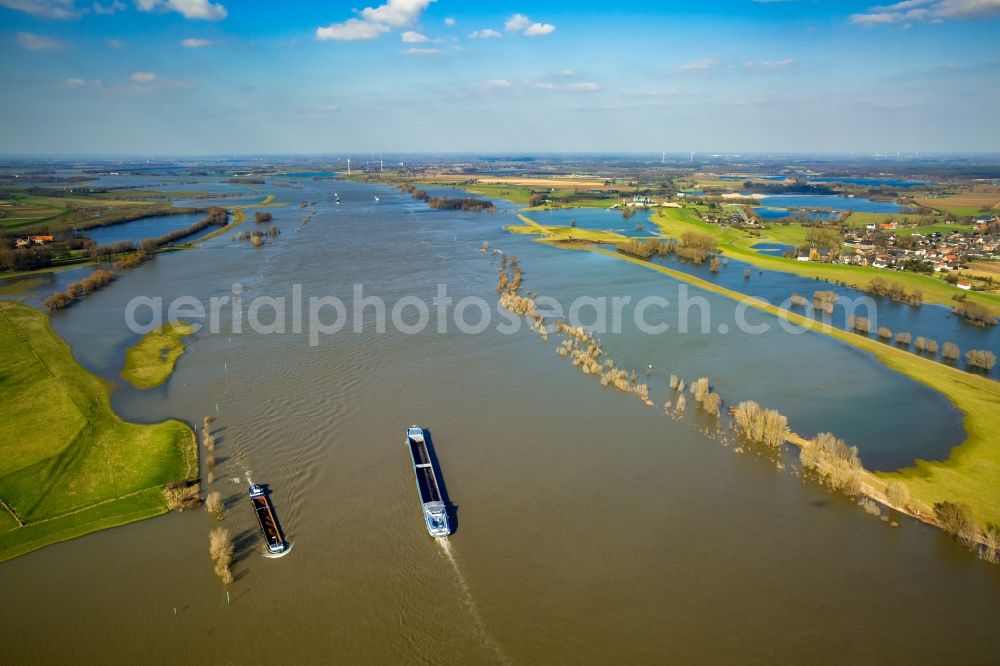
470, 603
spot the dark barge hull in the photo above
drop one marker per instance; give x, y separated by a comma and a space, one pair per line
269, 528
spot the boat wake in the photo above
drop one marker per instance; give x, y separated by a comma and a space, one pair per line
274, 556
469, 602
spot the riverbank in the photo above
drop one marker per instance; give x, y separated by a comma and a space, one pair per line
68, 464
969, 475
587, 354
151, 361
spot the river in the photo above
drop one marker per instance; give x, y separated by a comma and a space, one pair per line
590, 528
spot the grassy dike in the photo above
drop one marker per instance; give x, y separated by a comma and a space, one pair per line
151, 361
68, 464
969, 475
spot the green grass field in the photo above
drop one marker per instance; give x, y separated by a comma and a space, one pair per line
19, 212
26, 213
151, 361
68, 464
861, 219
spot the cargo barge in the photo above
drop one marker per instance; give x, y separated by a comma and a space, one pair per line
274, 539
431, 502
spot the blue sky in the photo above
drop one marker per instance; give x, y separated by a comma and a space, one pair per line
204, 77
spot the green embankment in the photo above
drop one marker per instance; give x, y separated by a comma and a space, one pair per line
969, 475
68, 464
151, 361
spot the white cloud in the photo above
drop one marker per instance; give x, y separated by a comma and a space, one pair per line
411, 37
584, 86
769, 64
524, 25
496, 85
115, 43
195, 43
396, 13
516, 23
351, 30
449, 21
699, 65
75, 83
542, 85
143, 77
112, 7
539, 29
485, 33
908, 12
423, 52
57, 9
968, 9
33, 42
375, 20
190, 9
566, 72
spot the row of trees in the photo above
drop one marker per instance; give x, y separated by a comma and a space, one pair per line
696, 246
216, 217
836, 463
76, 290
644, 249
896, 291
760, 425
446, 203
975, 313
976, 358
980, 358
957, 519
859, 324
220, 546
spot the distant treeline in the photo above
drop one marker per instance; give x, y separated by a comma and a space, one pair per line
254, 180
796, 187
447, 203
975, 313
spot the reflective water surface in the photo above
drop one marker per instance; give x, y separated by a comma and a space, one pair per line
590, 529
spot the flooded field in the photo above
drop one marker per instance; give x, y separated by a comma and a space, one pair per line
589, 528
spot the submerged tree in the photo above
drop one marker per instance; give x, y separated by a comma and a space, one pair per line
712, 403
834, 461
214, 505
981, 358
759, 425
220, 549
699, 388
